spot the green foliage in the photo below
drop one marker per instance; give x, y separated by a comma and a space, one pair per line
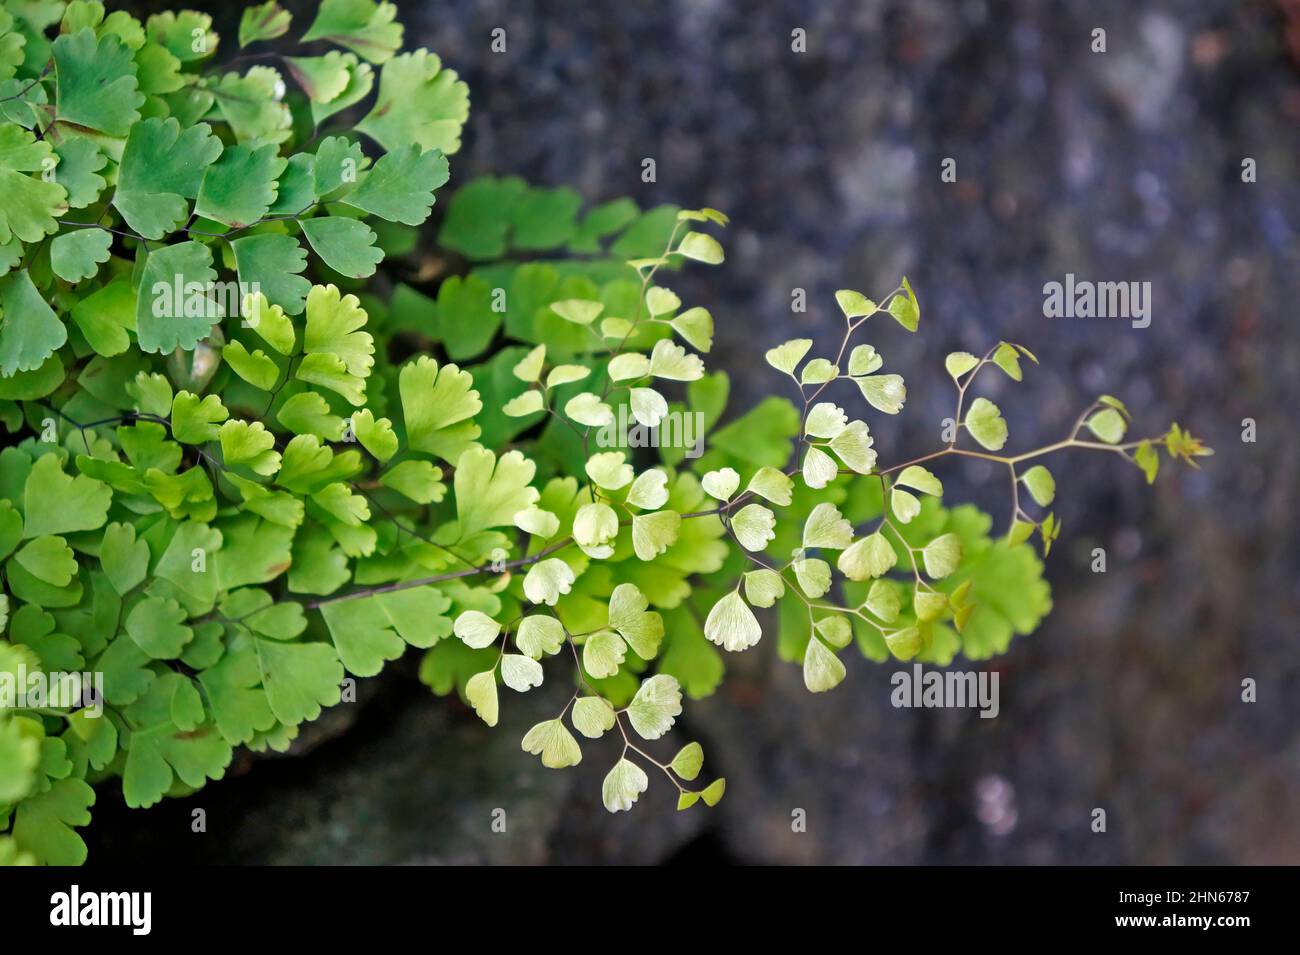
237, 475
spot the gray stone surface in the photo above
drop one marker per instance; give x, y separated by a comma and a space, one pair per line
1119, 166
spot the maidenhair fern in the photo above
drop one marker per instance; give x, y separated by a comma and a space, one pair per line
240, 474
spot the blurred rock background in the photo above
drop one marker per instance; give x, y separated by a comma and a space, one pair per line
1116, 166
